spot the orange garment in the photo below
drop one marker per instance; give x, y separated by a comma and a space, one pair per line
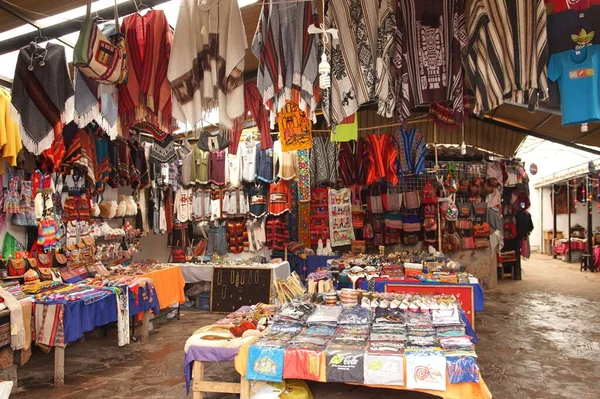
279, 197
380, 158
169, 284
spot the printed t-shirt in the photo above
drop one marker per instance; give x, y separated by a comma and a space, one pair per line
577, 74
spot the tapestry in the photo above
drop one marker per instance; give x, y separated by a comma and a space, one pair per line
340, 217
304, 224
560, 193
295, 129
303, 176
319, 215
293, 214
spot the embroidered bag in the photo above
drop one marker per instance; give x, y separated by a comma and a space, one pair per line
482, 230
464, 209
410, 239
392, 200
480, 208
452, 209
358, 213
481, 243
452, 242
411, 224
468, 243
375, 200
429, 195
17, 267
464, 224
98, 58
412, 200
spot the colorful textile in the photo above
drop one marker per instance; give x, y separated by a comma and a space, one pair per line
48, 234
293, 214
285, 164
347, 130
411, 152
360, 59
146, 97
304, 224
279, 197
10, 135
380, 158
323, 162
277, 233
351, 163
295, 129
340, 217
303, 176
237, 237
48, 326
507, 53
429, 43
288, 66
42, 98
207, 61
253, 105
319, 215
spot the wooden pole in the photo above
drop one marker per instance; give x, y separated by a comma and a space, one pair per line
59, 366
145, 326
569, 222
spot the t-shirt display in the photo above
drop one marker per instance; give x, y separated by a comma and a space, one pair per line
576, 72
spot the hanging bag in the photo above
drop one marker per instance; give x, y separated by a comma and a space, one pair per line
358, 213
17, 267
452, 210
375, 200
392, 200
98, 58
429, 196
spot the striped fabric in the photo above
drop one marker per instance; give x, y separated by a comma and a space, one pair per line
507, 53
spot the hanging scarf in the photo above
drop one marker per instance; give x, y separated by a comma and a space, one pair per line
146, 97
288, 67
253, 104
207, 65
42, 99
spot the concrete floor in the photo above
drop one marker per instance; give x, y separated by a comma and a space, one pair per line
539, 338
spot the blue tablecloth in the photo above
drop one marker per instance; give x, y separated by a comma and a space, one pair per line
312, 263
477, 290
80, 318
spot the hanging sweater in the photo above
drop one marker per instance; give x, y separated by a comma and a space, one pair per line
323, 162
285, 164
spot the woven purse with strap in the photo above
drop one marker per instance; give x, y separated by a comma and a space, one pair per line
100, 59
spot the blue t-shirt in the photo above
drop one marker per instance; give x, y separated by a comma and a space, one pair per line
578, 76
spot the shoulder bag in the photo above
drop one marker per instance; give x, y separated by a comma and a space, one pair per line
375, 200
17, 267
98, 58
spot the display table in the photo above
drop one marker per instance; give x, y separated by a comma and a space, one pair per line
312, 263
382, 282
198, 272
453, 391
169, 285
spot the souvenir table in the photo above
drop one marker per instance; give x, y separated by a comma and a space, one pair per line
59, 321
382, 282
199, 351
421, 346
359, 348
197, 272
312, 263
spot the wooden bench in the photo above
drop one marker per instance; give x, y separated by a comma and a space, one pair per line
200, 385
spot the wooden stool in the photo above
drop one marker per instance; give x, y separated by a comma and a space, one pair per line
200, 385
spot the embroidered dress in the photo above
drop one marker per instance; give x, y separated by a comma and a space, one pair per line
428, 52
146, 97
507, 53
184, 204
287, 53
207, 61
248, 151
360, 59
323, 162
217, 167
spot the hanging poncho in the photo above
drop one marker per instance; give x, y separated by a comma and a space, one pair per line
287, 53
42, 98
207, 61
360, 59
431, 36
146, 97
411, 152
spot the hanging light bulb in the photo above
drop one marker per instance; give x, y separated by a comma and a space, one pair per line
324, 73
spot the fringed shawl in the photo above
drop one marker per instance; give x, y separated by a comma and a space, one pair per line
42, 99
95, 102
288, 56
207, 61
146, 97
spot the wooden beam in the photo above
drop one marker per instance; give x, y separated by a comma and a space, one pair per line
59, 366
64, 28
145, 327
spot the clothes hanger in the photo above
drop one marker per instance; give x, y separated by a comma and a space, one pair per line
139, 6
